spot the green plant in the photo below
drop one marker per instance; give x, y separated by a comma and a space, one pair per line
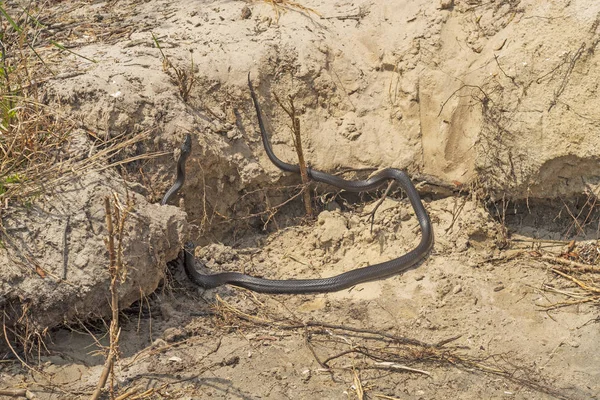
11, 179
8, 112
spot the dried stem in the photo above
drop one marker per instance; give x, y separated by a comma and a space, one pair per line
117, 273
291, 112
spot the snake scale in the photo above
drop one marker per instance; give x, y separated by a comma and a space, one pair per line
330, 284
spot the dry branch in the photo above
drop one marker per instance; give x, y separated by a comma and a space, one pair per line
17, 393
291, 112
570, 265
115, 216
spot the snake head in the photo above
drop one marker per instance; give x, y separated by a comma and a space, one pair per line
189, 247
186, 146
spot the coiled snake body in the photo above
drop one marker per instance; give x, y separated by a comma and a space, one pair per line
334, 283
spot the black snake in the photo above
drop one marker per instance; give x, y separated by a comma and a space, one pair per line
334, 283
186, 149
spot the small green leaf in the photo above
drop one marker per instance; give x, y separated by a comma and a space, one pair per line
10, 20
61, 47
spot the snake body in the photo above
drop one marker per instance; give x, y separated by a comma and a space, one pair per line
334, 283
186, 149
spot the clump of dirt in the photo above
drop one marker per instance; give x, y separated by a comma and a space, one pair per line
58, 272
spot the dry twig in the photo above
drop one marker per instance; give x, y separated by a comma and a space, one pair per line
17, 393
115, 216
570, 265
290, 110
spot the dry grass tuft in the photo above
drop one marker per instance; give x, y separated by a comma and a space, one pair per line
280, 6
182, 77
575, 265
34, 137
580, 276
31, 142
29, 133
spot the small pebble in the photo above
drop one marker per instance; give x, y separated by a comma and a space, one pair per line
246, 12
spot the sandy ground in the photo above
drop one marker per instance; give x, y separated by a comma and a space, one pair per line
499, 312
481, 96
